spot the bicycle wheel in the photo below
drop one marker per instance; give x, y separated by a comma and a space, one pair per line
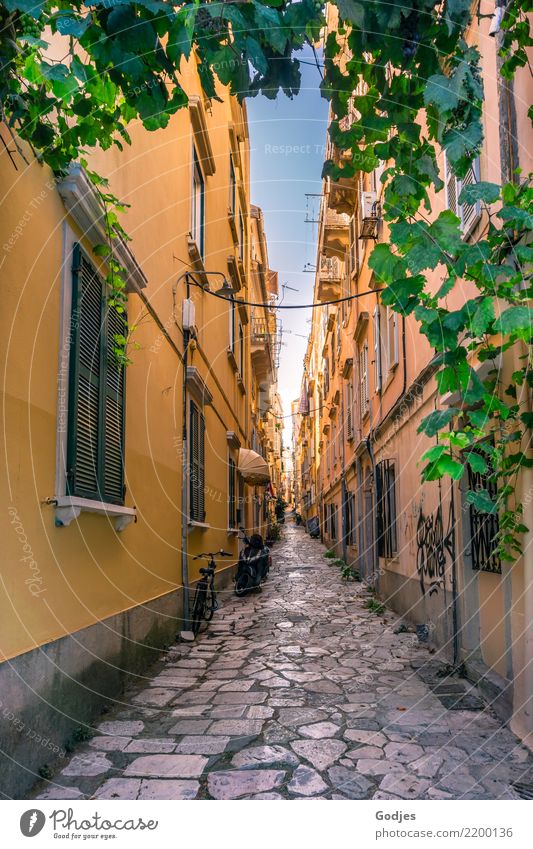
211, 605
198, 608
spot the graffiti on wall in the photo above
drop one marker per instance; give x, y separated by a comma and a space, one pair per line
433, 546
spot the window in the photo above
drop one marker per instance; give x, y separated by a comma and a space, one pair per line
241, 352
231, 314
386, 508
350, 518
484, 527
348, 412
468, 214
232, 495
232, 186
332, 521
95, 440
196, 465
354, 247
377, 349
363, 376
198, 205
392, 338
385, 344
241, 236
240, 500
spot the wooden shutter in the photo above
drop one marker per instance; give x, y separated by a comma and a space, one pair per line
452, 189
363, 360
197, 464
349, 401
470, 212
85, 376
95, 465
392, 325
377, 350
113, 410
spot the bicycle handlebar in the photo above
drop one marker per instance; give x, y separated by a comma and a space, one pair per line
212, 554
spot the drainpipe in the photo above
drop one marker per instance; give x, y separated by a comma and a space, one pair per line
455, 592
344, 499
375, 562
185, 481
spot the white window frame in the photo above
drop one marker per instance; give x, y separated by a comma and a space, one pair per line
198, 203
468, 215
363, 378
376, 330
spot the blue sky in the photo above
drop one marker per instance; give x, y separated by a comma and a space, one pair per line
287, 140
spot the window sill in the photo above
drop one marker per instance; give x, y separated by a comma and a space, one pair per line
232, 532
204, 526
232, 360
69, 507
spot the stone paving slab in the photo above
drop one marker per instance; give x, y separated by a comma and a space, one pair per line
298, 692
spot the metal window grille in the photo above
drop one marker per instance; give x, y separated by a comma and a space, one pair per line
484, 527
386, 508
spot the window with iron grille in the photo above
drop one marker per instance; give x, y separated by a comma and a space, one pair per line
232, 497
332, 521
240, 500
484, 527
386, 508
95, 439
350, 518
363, 377
196, 464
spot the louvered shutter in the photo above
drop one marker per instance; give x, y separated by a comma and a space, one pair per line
197, 464
349, 421
193, 465
201, 466
363, 359
392, 323
470, 212
377, 350
85, 375
452, 191
114, 408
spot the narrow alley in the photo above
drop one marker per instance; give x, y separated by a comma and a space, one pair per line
299, 691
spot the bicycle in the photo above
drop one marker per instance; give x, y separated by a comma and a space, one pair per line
205, 598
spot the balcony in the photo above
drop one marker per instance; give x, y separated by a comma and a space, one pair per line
264, 343
336, 232
329, 278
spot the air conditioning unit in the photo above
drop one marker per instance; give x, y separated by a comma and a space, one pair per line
188, 317
370, 214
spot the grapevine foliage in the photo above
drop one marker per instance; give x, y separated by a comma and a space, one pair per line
418, 90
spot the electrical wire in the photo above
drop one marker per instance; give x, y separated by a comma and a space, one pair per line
284, 306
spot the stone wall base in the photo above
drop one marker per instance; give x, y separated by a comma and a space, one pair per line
50, 694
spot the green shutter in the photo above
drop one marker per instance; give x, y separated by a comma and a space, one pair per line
85, 368
196, 464
113, 411
95, 466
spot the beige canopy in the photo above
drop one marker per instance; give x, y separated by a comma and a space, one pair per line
253, 467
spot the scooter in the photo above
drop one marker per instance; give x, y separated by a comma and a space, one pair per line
253, 567
313, 527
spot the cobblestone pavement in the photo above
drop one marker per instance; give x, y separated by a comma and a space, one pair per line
297, 692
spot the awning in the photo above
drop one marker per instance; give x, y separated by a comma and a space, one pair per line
253, 467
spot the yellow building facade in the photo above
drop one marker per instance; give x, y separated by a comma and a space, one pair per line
115, 478
368, 383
